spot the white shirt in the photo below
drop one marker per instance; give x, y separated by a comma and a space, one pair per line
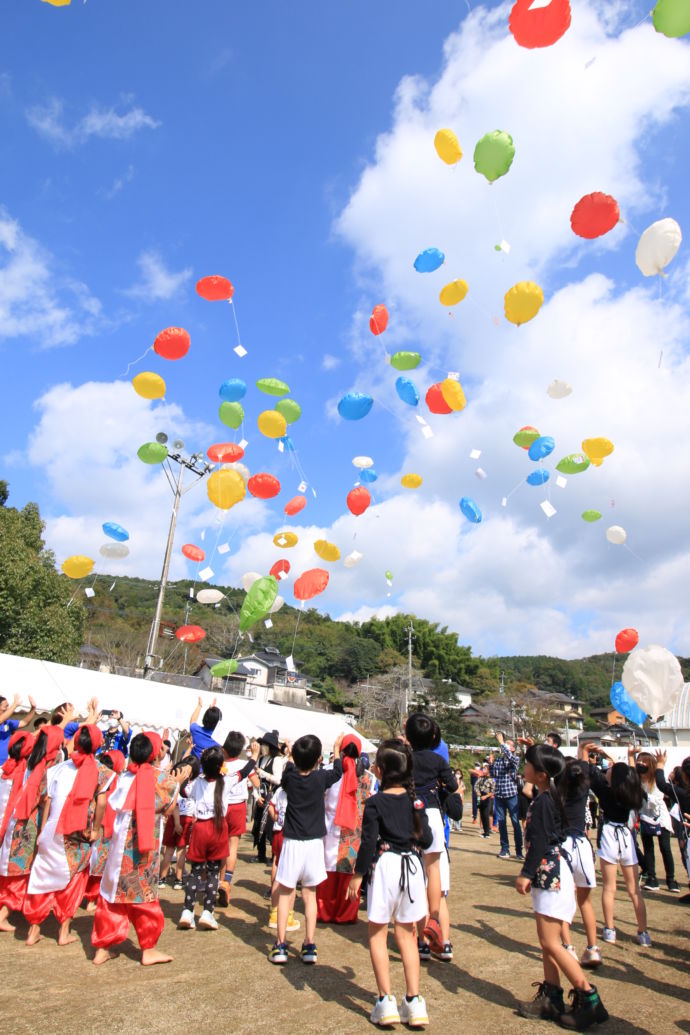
239, 791
654, 809
202, 792
279, 802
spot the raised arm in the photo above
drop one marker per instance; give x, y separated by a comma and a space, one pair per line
196, 713
9, 709
30, 715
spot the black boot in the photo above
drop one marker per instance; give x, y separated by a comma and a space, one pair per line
547, 1004
587, 1009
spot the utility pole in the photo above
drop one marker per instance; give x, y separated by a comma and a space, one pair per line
198, 466
407, 692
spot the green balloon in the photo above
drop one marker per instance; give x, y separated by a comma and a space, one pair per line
672, 18
231, 414
258, 601
152, 452
290, 409
405, 360
525, 437
389, 575
493, 155
591, 515
272, 386
573, 463
224, 668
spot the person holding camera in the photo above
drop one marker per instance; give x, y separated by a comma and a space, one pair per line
117, 734
504, 771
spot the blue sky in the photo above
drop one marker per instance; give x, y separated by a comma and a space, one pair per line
291, 151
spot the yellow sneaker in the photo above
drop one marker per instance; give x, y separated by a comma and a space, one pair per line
292, 922
273, 919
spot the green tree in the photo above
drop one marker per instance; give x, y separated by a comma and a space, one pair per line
35, 619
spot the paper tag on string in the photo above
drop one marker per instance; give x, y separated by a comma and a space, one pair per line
268, 623
203, 535
504, 246
281, 446
290, 663
243, 443
504, 501
548, 508
427, 432
89, 592
224, 548
112, 588
191, 592
205, 574
453, 375
475, 454
420, 420
561, 482
240, 351
481, 473
313, 492
249, 637
302, 487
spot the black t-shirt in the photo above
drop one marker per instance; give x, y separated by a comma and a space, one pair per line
613, 812
544, 830
305, 815
388, 818
576, 808
431, 772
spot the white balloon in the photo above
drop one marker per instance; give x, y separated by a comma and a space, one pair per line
114, 550
353, 559
362, 462
241, 469
658, 246
559, 389
248, 579
616, 535
209, 596
277, 604
653, 678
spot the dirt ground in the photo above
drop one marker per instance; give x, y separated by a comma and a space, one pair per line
222, 982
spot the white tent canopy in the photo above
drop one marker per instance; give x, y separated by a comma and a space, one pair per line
147, 704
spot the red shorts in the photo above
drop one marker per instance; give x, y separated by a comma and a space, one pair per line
173, 840
236, 818
208, 843
277, 845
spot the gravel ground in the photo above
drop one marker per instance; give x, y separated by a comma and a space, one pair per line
222, 982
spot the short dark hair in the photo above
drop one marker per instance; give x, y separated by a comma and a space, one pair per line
419, 730
234, 742
555, 737
212, 717
306, 751
58, 714
84, 742
140, 749
167, 743
40, 721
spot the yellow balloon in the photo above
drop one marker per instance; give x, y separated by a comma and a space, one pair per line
58, 3
225, 488
523, 302
411, 481
285, 540
327, 551
447, 147
272, 424
149, 385
77, 566
453, 394
597, 449
454, 292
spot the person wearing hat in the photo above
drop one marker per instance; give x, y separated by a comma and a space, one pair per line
60, 870
270, 772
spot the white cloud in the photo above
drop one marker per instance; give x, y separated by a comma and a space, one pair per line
105, 123
118, 184
157, 282
330, 362
36, 300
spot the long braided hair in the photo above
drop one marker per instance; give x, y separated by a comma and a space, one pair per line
396, 766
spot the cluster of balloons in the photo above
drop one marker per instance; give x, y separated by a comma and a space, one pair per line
78, 566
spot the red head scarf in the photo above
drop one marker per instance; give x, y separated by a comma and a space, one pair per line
346, 810
27, 798
118, 760
14, 771
141, 798
75, 811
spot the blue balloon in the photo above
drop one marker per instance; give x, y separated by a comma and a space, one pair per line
355, 405
623, 703
470, 510
288, 443
368, 476
407, 391
115, 531
541, 447
538, 477
233, 390
429, 260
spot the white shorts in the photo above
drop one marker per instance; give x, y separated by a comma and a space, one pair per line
386, 900
617, 845
436, 826
560, 905
301, 861
581, 860
445, 872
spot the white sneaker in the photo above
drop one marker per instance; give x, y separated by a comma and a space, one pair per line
207, 921
186, 921
385, 1011
414, 1014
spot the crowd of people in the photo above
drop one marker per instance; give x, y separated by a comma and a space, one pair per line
92, 813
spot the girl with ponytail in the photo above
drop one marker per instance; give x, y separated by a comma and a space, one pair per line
573, 787
546, 873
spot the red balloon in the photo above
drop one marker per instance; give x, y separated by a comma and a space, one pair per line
225, 452
527, 427
626, 640
540, 26
264, 486
594, 215
215, 289
294, 505
195, 553
358, 500
378, 321
435, 400
310, 584
172, 343
279, 569
190, 633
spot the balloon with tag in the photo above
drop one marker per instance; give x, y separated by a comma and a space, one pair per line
378, 321
258, 601
624, 704
493, 155
215, 288
310, 584
653, 678
447, 147
627, 640
210, 596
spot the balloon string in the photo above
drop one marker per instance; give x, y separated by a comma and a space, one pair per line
135, 361
661, 284
294, 638
636, 556
237, 326
519, 484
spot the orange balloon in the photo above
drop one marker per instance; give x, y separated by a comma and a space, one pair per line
294, 505
435, 400
194, 553
225, 452
263, 486
310, 584
358, 500
172, 343
215, 289
378, 321
190, 633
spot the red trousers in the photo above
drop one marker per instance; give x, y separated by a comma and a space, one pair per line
92, 889
332, 903
63, 903
112, 919
13, 891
